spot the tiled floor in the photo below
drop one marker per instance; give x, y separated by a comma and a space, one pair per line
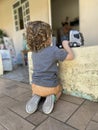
20, 73
70, 113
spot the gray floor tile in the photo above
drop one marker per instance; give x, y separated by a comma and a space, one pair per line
7, 102
24, 97
72, 99
19, 108
14, 91
37, 118
92, 126
2, 128
23, 85
63, 110
95, 118
52, 124
11, 121
2, 95
91, 105
5, 82
83, 115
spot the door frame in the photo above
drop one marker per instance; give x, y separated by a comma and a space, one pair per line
49, 13
50, 16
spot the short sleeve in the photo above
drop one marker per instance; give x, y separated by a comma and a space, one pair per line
60, 54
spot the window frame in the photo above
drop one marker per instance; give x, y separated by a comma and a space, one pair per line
25, 12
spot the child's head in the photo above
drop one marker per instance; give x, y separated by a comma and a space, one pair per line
38, 35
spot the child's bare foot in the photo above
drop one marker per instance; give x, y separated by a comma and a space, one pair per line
58, 95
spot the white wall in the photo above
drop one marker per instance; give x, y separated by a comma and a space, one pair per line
89, 21
7, 24
38, 11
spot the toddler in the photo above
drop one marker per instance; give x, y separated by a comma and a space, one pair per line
45, 82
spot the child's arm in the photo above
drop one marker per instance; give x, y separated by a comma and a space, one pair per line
66, 46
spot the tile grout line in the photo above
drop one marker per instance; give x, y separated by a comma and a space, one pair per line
26, 119
62, 122
3, 126
12, 98
92, 121
75, 111
41, 122
71, 102
71, 126
20, 116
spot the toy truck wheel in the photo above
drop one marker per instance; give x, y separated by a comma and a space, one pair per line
74, 44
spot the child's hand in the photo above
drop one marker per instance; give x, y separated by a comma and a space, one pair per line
66, 46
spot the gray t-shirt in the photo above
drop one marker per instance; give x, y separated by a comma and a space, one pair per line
45, 69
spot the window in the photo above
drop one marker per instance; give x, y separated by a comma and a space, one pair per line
21, 13
21, 23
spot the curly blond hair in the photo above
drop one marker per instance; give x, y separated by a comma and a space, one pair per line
38, 33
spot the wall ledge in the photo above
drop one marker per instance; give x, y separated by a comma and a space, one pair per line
79, 77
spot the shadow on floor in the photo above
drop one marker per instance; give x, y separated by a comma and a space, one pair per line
20, 73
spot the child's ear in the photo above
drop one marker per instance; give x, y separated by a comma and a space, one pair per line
49, 40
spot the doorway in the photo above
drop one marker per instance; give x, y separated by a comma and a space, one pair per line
62, 10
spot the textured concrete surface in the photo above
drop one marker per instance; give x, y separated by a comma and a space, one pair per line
79, 77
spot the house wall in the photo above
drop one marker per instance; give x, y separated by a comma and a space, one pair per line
39, 10
89, 21
7, 24
6, 19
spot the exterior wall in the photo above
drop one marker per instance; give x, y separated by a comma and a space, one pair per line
39, 10
6, 16
89, 21
7, 24
79, 77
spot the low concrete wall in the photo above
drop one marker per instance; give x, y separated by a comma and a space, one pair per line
79, 77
